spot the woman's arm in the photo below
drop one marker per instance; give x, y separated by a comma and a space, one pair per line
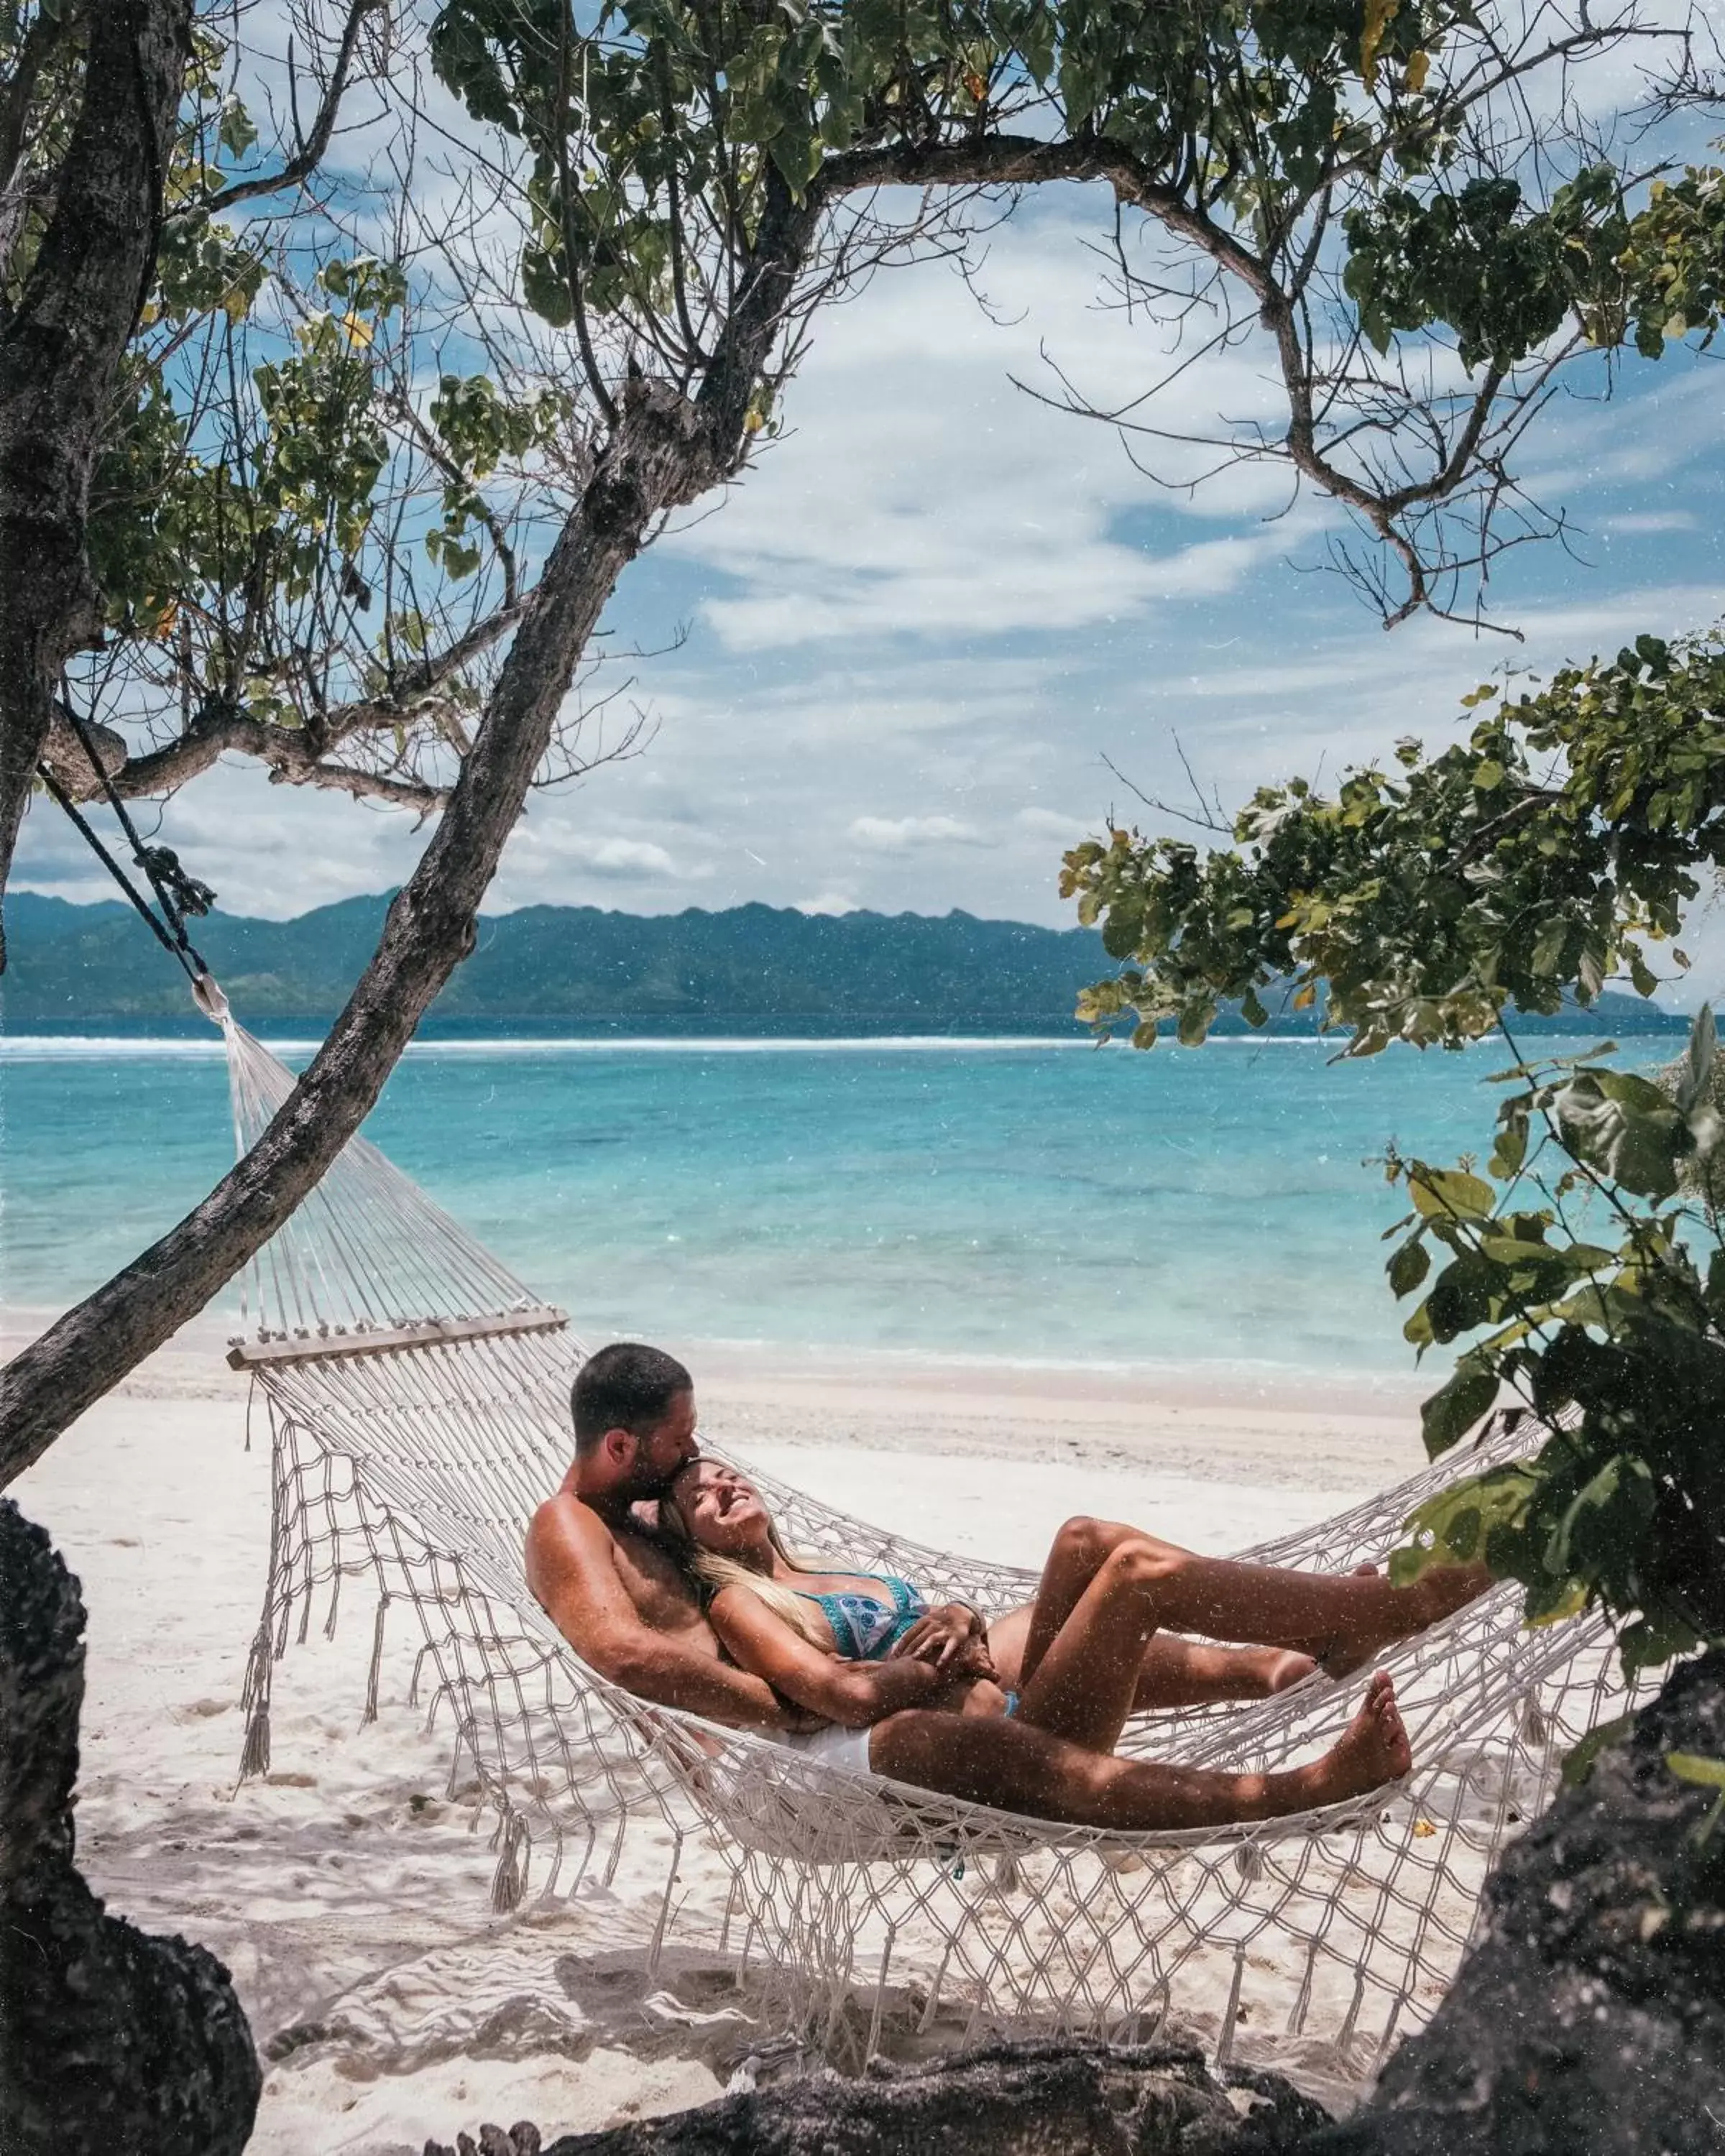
855, 1695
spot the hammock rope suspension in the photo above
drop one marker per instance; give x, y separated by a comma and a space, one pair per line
177, 892
418, 1395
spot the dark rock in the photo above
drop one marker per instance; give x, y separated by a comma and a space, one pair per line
522, 2139
1028, 2099
1590, 2020
110, 2039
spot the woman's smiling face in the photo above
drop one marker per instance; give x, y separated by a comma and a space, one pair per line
721, 1509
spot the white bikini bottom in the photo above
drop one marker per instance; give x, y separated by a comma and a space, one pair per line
847, 1748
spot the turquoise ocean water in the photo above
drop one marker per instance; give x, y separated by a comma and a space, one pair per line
1036, 1201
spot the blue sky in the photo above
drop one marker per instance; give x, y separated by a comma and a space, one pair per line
912, 633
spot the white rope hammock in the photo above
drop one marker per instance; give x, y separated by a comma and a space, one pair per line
419, 1406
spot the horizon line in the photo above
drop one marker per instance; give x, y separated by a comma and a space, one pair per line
74, 1047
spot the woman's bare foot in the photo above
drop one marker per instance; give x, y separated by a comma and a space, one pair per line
1436, 1595
1373, 1748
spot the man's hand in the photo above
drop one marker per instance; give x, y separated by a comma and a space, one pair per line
952, 1638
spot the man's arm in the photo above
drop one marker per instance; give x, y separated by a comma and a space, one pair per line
573, 1571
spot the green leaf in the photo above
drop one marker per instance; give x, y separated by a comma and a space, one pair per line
1449, 1414
1510, 1148
1447, 1193
1692, 1767
1698, 1063
1641, 1096
1409, 1266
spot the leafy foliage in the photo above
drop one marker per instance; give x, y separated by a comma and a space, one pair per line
209, 539
1504, 284
276, 465
1537, 858
1249, 116
1674, 259
1586, 1286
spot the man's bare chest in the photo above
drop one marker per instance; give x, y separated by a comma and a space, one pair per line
659, 1591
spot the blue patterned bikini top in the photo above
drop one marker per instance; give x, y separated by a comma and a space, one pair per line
865, 1628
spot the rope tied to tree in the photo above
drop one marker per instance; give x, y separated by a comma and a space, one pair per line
179, 893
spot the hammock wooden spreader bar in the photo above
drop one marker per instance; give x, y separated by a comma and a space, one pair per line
332, 1344
411, 1448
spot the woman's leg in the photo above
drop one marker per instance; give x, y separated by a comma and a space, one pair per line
1175, 1671
1023, 1769
1179, 1672
1342, 1619
1092, 1675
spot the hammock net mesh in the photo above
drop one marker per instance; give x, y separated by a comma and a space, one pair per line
417, 1398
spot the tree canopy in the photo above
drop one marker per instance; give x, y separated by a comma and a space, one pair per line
355, 394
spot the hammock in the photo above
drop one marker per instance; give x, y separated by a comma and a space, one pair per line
418, 1399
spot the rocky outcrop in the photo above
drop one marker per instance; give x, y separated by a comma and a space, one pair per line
1590, 2020
1030, 2099
110, 2039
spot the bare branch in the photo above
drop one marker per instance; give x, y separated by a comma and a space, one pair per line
311, 148
1207, 818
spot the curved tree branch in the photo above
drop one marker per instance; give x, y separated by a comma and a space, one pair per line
1005, 161
296, 756
310, 154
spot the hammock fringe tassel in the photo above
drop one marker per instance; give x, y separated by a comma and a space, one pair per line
509, 1882
254, 1705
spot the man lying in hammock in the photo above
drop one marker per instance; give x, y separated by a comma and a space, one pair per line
1024, 1716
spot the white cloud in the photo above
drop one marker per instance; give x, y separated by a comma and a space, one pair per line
921, 492
620, 857
830, 903
902, 834
555, 857
1051, 824
1638, 522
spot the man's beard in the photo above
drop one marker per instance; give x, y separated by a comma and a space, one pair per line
647, 1484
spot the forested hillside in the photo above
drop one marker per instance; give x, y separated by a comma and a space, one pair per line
747, 969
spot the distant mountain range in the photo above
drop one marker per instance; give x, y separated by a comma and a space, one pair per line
748, 969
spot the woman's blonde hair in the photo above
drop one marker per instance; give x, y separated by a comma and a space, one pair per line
714, 1572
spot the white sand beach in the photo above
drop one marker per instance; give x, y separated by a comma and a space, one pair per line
346, 1890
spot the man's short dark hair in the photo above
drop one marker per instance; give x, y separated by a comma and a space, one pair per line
626, 1386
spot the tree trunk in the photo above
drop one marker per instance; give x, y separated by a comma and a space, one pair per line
429, 930
108, 2039
665, 450
60, 356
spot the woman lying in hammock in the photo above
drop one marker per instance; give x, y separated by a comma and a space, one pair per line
919, 1695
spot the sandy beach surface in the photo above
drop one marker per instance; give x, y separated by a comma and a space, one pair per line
347, 1890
